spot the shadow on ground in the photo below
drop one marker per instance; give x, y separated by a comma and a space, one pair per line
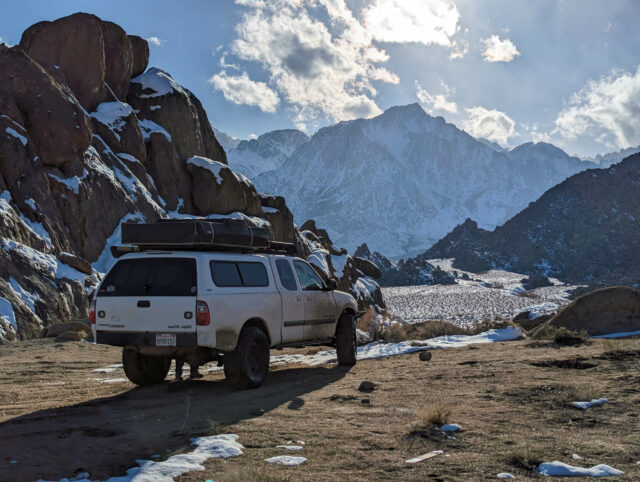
105, 436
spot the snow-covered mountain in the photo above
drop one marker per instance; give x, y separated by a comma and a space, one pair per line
226, 141
267, 152
402, 180
606, 160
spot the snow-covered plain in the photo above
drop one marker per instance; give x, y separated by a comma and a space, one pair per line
483, 296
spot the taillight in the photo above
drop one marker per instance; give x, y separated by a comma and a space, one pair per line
92, 312
202, 314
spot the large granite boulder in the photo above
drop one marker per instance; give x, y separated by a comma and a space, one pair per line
140, 53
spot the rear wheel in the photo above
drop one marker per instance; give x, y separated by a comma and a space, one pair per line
144, 370
346, 340
247, 366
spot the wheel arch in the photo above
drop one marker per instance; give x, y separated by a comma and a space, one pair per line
347, 310
258, 323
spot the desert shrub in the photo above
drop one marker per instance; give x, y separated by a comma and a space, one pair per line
526, 459
431, 416
562, 336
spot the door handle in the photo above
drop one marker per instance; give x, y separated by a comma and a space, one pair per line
144, 304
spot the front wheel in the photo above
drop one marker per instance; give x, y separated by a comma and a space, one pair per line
346, 340
247, 366
144, 370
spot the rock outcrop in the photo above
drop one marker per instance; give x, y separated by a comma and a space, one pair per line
584, 230
406, 272
601, 312
89, 140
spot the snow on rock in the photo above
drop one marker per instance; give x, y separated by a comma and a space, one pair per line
560, 469
287, 460
158, 82
17, 135
148, 127
7, 316
106, 259
214, 167
43, 261
38, 229
589, 404
339, 264
113, 115
72, 183
28, 298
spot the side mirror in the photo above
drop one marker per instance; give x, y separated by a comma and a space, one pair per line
332, 284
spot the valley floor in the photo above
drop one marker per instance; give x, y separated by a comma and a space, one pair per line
59, 418
470, 301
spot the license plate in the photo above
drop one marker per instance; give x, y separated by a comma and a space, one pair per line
165, 340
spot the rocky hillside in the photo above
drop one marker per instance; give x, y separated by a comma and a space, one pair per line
406, 272
402, 180
584, 230
91, 138
266, 153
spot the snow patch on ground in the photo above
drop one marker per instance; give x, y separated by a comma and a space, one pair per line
506, 475
293, 448
214, 446
589, 404
108, 369
287, 460
560, 469
450, 427
622, 334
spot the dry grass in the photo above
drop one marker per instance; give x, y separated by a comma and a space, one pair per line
562, 336
434, 328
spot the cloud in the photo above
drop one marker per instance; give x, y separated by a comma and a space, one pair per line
458, 49
607, 110
241, 89
489, 124
496, 50
438, 102
157, 41
316, 55
419, 21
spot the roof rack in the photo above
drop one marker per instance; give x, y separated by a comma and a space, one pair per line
275, 247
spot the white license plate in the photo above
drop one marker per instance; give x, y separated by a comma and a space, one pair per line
165, 340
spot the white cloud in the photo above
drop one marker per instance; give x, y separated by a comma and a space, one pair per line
496, 50
157, 41
242, 90
458, 49
488, 124
403, 21
316, 54
439, 102
607, 110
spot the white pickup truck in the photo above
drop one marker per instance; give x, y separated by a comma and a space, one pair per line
229, 307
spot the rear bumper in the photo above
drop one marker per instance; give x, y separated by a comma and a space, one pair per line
141, 339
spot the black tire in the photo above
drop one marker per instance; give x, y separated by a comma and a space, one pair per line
346, 340
247, 366
144, 370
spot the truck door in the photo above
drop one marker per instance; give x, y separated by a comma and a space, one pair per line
149, 295
319, 305
292, 301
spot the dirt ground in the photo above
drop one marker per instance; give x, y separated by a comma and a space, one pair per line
512, 400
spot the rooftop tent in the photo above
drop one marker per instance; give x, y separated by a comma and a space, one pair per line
200, 234
196, 232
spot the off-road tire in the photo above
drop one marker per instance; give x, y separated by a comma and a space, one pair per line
346, 340
247, 366
144, 370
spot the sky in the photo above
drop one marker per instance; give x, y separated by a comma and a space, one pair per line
511, 71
